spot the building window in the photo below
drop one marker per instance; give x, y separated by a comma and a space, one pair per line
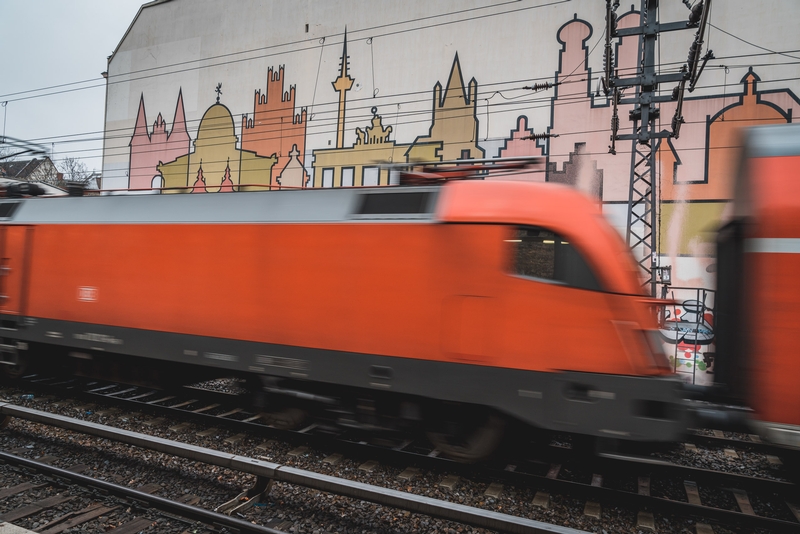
327, 177
370, 176
546, 256
348, 174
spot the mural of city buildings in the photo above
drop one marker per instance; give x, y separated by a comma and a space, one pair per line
268, 145
306, 120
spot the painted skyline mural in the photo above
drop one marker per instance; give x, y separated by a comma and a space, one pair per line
266, 146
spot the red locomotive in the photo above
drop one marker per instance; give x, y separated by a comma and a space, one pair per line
455, 308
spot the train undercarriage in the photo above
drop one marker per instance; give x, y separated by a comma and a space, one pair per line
462, 432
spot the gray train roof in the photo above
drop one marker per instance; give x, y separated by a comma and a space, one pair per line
398, 204
773, 140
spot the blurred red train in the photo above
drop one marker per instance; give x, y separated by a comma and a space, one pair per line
455, 308
458, 308
758, 307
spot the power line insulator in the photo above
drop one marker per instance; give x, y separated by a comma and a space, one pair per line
697, 12
537, 137
676, 125
540, 86
692, 59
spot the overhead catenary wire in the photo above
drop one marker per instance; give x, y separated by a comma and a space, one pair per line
724, 85
111, 77
127, 132
111, 81
368, 149
424, 118
352, 107
448, 22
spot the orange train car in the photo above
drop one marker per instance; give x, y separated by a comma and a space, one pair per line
512, 300
758, 319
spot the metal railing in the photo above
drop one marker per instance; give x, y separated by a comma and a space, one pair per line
686, 324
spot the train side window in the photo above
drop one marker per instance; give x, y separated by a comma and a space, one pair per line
7, 209
542, 254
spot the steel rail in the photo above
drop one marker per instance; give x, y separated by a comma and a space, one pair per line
176, 508
601, 494
700, 474
635, 501
755, 446
608, 460
357, 490
526, 479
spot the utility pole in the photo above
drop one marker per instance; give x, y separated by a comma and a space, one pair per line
641, 229
4, 104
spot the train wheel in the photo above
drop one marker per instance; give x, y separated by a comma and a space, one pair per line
285, 418
15, 368
14, 371
462, 435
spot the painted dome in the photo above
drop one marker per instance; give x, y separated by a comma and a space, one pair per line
216, 127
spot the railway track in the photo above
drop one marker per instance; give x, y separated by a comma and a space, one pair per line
266, 473
738, 441
643, 485
51, 500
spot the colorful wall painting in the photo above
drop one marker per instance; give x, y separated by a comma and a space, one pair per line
274, 147
277, 128
226, 167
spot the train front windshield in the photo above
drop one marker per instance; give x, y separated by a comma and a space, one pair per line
542, 254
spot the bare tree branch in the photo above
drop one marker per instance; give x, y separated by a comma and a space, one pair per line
74, 170
7, 153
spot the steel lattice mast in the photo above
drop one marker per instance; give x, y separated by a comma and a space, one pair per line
641, 229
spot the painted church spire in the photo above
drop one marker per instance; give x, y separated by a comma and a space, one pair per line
141, 135
179, 132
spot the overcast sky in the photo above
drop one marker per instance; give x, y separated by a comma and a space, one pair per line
48, 43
